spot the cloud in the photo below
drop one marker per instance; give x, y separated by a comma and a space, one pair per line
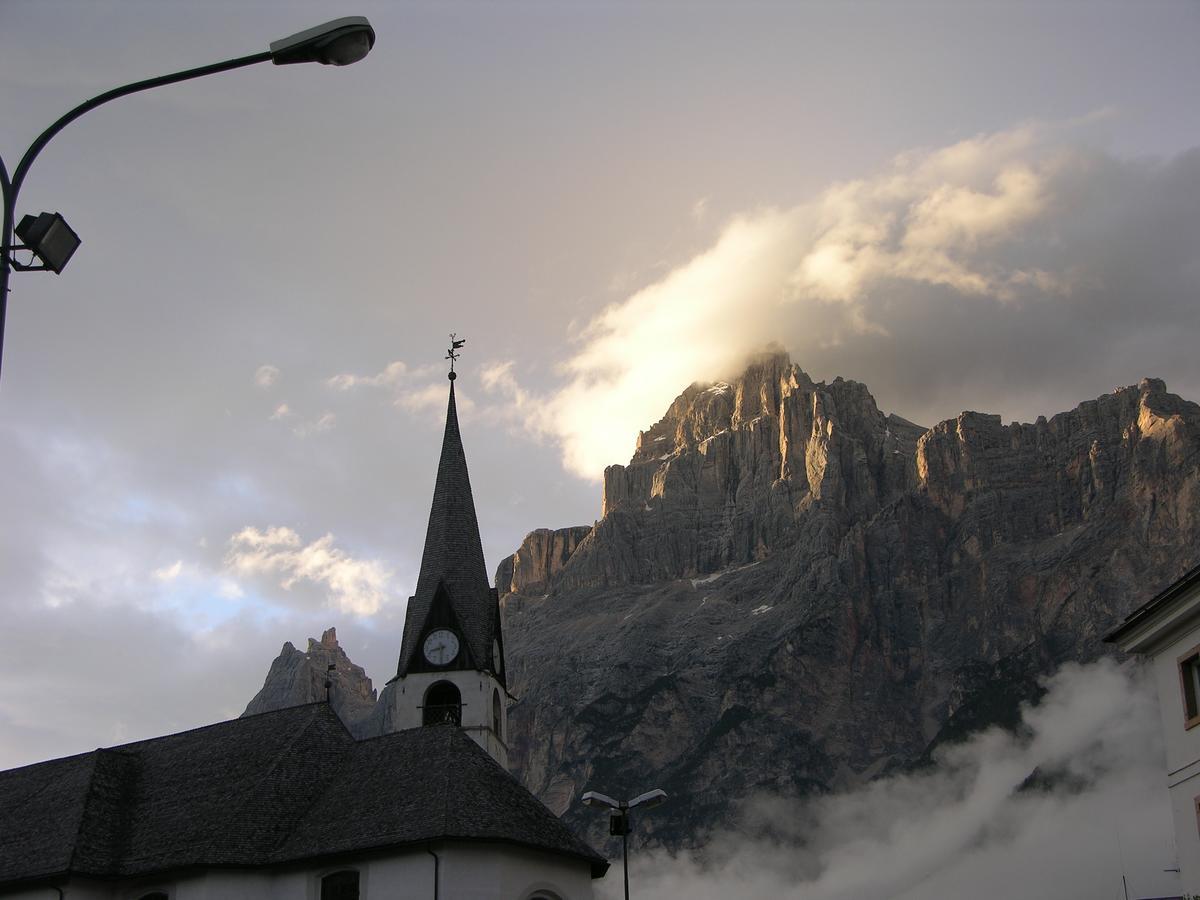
359, 587
393, 373
974, 825
282, 411
499, 378
410, 388
320, 424
266, 376
169, 573
431, 398
1012, 272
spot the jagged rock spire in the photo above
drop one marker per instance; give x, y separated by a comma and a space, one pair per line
452, 558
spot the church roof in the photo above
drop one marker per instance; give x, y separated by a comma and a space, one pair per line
274, 788
453, 558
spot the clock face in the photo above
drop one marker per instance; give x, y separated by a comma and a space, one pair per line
440, 647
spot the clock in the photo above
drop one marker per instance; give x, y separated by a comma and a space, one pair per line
440, 647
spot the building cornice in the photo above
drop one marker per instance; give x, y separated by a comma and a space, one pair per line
1162, 619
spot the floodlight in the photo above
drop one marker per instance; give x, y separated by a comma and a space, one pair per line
50, 238
337, 43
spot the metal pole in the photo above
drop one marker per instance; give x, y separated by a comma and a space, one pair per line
625, 853
10, 205
12, 188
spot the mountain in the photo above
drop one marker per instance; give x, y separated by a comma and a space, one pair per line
297, 678
791, 592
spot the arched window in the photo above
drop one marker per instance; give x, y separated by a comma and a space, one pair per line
497, 714
154, 895
443, 703
340, 886
544, 895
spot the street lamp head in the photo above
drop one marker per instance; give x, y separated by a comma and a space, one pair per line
337, 43
595, 798
649, 799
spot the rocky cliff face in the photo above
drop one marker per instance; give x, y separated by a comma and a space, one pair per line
539, 559
790, 591
296, 678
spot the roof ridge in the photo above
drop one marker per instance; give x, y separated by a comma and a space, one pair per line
222, 723
44, 762
329, 783
266, 773
83, 807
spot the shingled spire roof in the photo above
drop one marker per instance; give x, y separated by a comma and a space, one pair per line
453, 558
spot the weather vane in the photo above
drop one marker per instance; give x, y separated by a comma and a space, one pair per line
451, 355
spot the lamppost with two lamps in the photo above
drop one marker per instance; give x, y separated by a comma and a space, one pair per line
618, 822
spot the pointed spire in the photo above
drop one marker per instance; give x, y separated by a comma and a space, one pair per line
453, 555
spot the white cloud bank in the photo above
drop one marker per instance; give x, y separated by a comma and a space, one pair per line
350, 585
1004, 272
966, 828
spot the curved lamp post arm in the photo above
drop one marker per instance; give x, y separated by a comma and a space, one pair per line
44, 138
11, 187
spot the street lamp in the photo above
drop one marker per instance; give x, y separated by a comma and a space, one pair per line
618, 822
51, 240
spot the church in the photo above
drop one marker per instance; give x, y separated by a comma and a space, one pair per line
288, 804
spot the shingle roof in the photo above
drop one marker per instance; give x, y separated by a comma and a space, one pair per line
453, 557
273, 788
456, 791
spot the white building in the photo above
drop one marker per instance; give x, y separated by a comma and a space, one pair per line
287, 805
1167, 630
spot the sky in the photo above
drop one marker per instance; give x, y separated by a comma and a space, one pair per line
219, 425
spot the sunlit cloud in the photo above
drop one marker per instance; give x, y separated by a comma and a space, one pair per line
355, 586
500, 378
978, 241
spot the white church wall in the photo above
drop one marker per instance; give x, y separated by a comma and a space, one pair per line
488, 871
74, 889
466, 871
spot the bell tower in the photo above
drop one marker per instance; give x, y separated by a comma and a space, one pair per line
451, 668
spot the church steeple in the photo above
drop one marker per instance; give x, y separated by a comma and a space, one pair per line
453, 561
451, 666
